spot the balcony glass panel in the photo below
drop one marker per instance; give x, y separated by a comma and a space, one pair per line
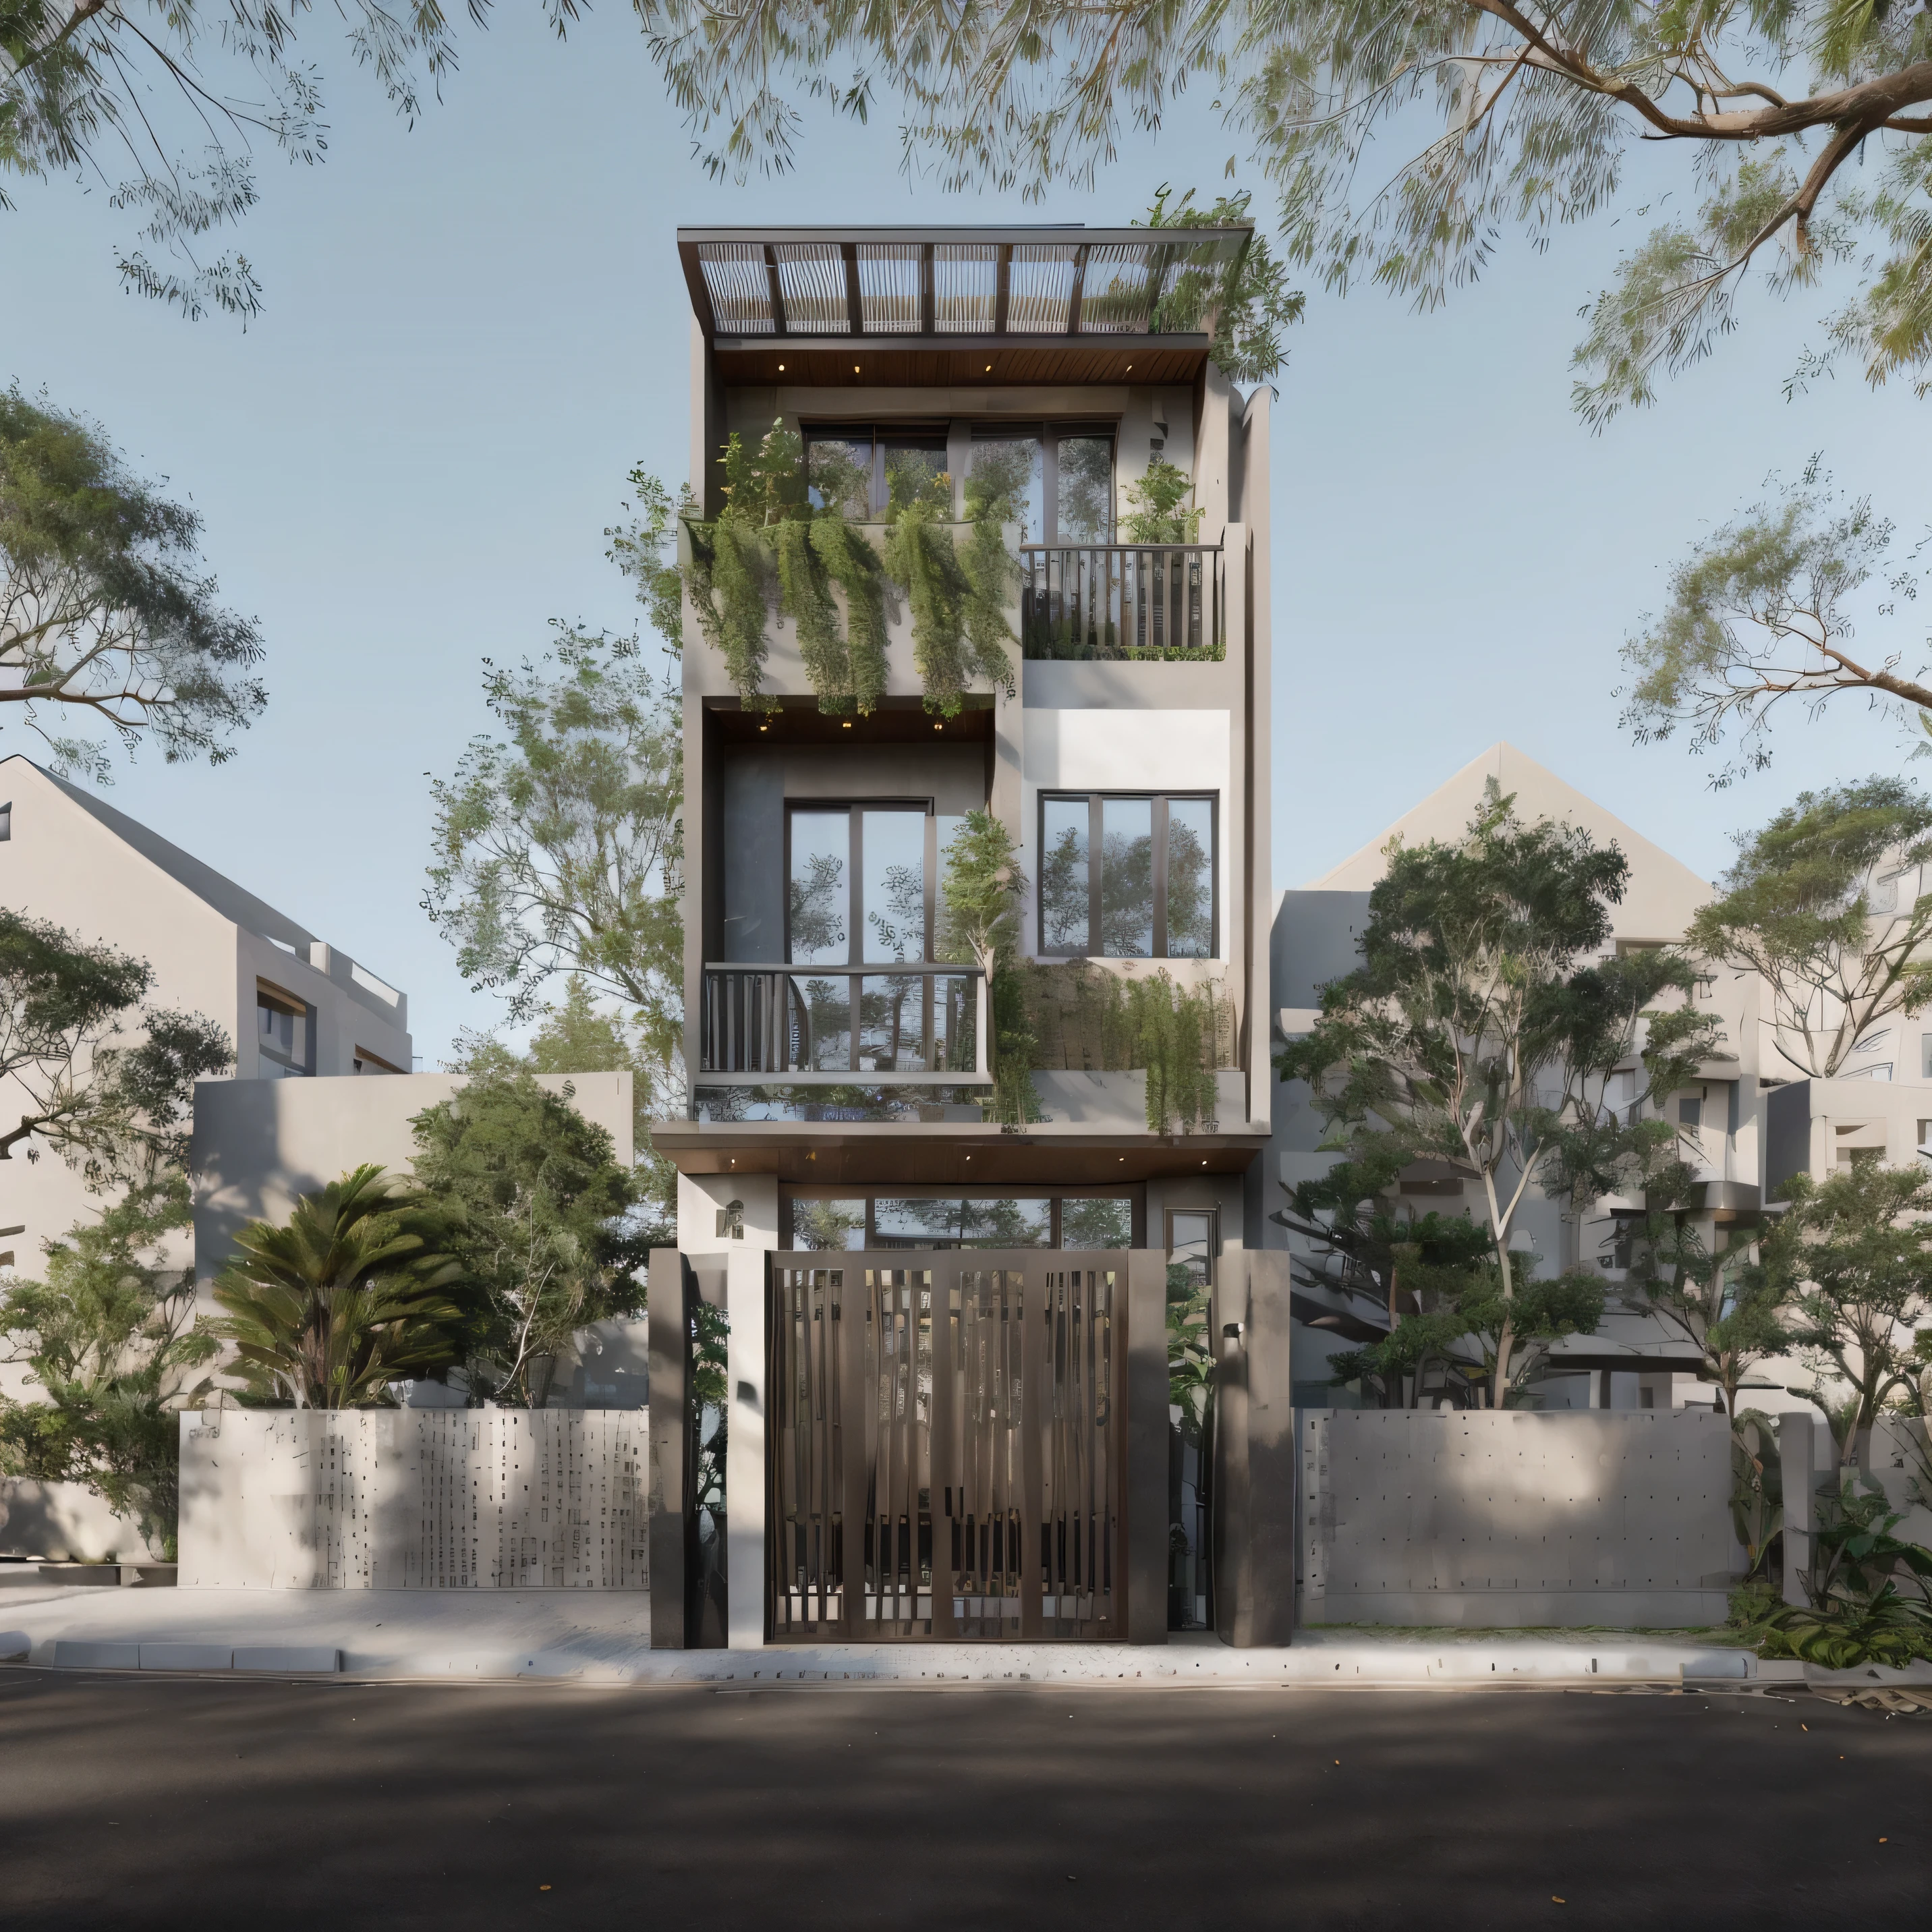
819, 894
1126, 878
1116, 295
956, 1023
811, 282
1190, 878
965, 287
889, 278
1063, 875
893, 846
739, 286
822, 1024
1084, 500
1010, 466
892, 1024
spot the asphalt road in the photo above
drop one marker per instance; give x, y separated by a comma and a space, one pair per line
127, 1801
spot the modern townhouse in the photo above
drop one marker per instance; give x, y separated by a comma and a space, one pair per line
949, 1412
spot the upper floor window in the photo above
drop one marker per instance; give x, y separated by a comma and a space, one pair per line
284, 1036
1059, 475
852, 467
1127, 876
861, 881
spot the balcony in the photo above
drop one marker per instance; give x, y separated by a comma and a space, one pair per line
900, 1023
1122, 601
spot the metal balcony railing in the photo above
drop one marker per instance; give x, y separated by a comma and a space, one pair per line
1110, 600
899, 1023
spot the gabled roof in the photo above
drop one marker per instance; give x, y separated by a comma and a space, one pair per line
1662, 892
231, 902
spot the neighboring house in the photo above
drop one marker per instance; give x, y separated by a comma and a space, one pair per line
1632, 1362
294, 1006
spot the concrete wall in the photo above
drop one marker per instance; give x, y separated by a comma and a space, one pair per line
258, 1143
413, 1499
1512, 1518
65, 1520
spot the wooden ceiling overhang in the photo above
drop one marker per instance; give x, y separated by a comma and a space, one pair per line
958, 307
895, 1153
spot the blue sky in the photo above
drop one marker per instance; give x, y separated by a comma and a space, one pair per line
474, 328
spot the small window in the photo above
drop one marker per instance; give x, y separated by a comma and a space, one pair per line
1690, 1113
366, 1062
731, 1221
1191, 1239
7, 821
284, 1037
1127, 877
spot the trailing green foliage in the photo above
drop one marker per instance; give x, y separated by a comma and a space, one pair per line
529, 1201
979, 894
108, 1339
1249, 306
1190, 1362
1084, 1018
352, 1293
1757, 1485
771, 544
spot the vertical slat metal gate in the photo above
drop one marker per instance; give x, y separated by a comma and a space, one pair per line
948, 1446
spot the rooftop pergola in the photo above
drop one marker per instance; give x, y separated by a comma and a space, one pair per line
863, 306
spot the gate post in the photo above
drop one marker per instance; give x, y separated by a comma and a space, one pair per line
1254, 1452
1145, 1505
669, 1342
747, 1480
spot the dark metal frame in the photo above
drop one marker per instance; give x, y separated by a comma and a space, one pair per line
1095, 801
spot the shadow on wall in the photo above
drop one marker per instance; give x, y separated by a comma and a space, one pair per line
259, 1144
65, 1520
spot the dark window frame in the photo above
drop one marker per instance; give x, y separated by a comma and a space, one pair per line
1095, 802
279, 999
1055, 1193
855, 809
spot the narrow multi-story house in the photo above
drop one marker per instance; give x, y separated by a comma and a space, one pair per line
921, 1194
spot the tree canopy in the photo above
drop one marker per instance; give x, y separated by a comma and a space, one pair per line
1403, 142
1763, 611
106, 1083
1814, 905
1486, 1018
108, 616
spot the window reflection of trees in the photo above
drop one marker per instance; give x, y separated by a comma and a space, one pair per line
1126, 878
1085, 504
1190, 879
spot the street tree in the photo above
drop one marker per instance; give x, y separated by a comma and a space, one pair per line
109, 617
1817, 906
97, 1078
109, 1345
1486, 1019
1850, 1261
1763, 611
1405, 142
1715, 1298
529, 1200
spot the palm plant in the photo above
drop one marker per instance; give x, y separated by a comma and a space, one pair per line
324, 1311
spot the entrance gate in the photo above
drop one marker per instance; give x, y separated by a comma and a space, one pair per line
948, 1445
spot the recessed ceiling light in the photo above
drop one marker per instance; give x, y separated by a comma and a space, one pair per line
848, 724
989, 368
855, 368
781, 368
1130, 367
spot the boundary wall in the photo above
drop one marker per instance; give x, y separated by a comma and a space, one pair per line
414, 1499
1617, 1518
66, 1519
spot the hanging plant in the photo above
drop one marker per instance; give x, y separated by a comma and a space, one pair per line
767, 531
980, 893
959, 629
847, 671
1157, 517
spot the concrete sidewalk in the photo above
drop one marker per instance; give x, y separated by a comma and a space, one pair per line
604, 1637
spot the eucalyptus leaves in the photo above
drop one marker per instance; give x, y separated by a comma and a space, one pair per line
772, 543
